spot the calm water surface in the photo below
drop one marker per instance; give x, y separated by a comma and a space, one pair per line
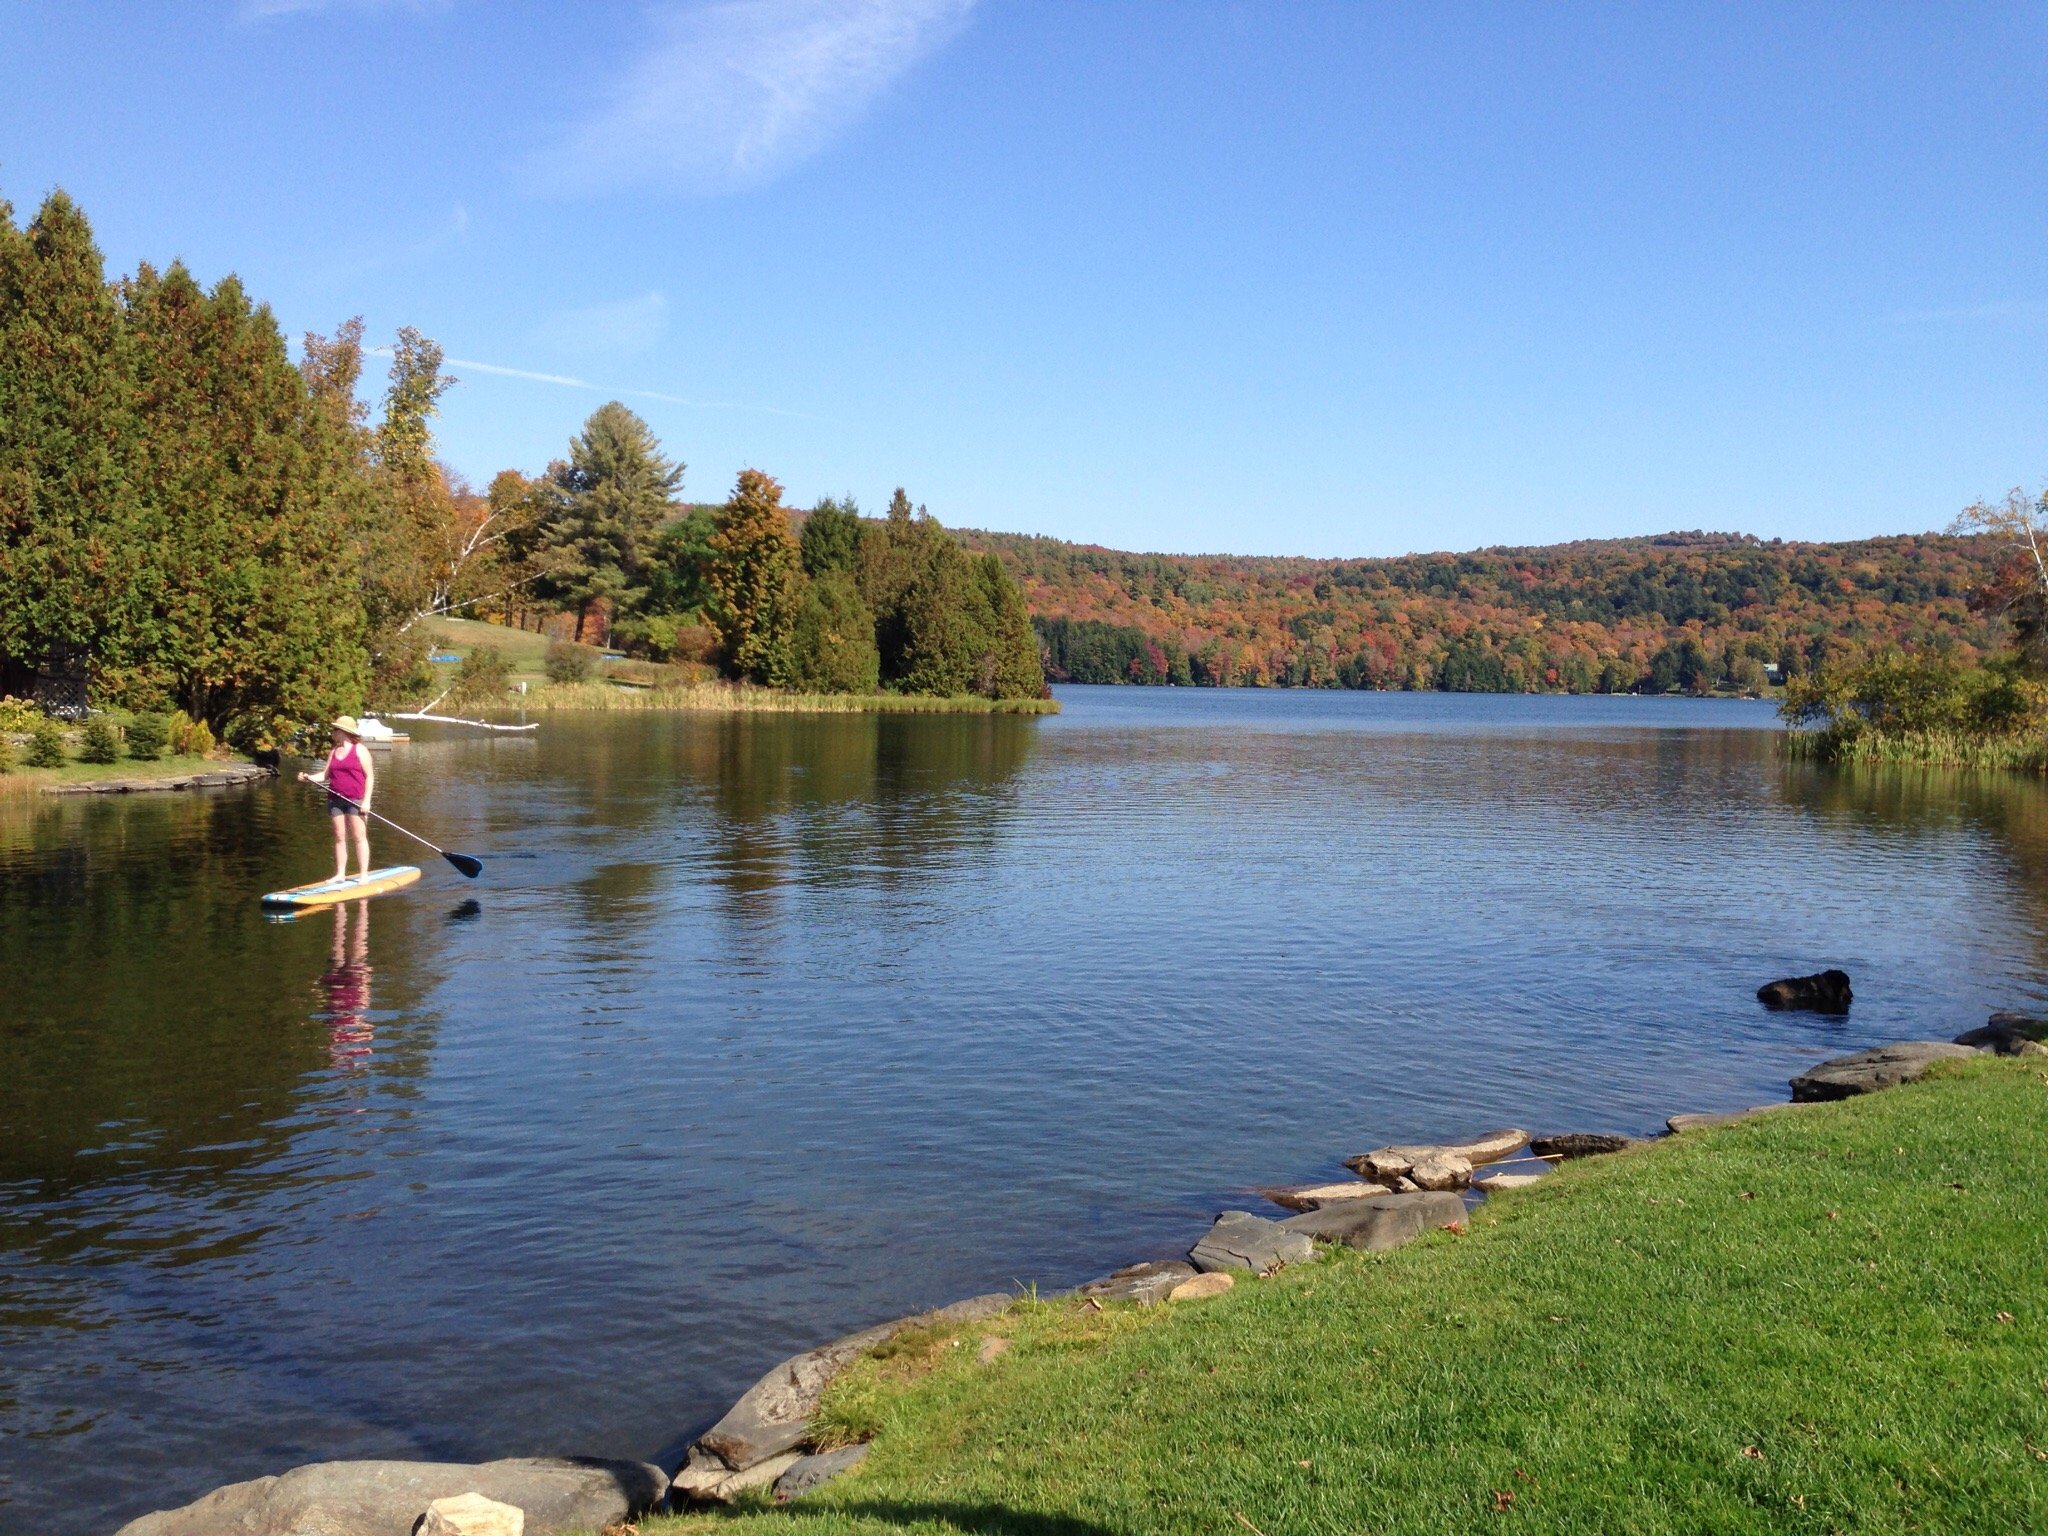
760, 1029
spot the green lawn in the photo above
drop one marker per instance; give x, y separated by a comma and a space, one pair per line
22, 779
524, 650
1835, 1320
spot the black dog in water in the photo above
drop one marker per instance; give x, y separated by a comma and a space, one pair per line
1827, 992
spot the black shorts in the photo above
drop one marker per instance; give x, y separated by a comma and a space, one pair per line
336, 806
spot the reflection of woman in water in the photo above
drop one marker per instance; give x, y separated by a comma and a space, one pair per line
347, 986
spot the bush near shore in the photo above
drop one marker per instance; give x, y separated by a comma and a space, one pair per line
1827, 1319
1894, 708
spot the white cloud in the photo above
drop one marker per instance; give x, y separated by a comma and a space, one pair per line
732, 93
629, 325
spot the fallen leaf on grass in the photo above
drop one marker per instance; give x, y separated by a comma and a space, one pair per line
1834, 1215
1246, 1524
1752, 1453
1747, 1194
1503, 1501
2005, 1317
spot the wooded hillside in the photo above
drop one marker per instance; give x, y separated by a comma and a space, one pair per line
1687, 610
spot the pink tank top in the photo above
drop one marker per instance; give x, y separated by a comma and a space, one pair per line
345, 774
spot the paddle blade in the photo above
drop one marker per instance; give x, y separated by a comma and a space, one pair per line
467, 865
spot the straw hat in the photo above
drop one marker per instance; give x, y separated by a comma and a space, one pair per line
348, 725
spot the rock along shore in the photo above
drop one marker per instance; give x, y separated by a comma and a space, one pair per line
766, 1441
210, 778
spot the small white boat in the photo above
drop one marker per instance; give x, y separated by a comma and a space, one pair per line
376, 733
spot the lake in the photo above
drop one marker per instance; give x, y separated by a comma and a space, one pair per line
760, 1028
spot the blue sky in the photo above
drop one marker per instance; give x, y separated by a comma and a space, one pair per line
1329, 279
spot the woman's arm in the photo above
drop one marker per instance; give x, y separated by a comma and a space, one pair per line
369, 773
318, 775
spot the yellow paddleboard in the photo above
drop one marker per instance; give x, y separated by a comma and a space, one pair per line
327, 892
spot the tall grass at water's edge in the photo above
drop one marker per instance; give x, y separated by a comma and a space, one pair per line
1829, 1321
738, 697
1937, 748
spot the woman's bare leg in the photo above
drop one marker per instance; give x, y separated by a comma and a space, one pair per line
361, 826
340, 846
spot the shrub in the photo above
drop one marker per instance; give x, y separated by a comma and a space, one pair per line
18, 714
46, 745
102, 741
189, 737
483, 675
147, 737
6, 754
568, 662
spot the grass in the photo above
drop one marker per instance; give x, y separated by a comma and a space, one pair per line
525, 651
25, 780
1829, 1321
2021, 752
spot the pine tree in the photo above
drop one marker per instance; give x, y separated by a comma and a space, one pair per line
610, 501
756, 581
833, 644
1014, 670
68, 573
831, 537
257, 623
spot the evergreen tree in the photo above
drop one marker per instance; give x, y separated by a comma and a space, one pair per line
946, 625
756, 581
1015, 671
833, 644
610, 500
257, 625
68, 573
893, 553
831, 537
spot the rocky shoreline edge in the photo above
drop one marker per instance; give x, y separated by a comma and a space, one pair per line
765, 1440
209, 778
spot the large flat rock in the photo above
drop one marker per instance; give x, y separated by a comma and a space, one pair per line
1308, 1197
1389, 1163
1240, 1240
1146, 1284
1884, 1066
386, 1498
1384, 1222
773, 1416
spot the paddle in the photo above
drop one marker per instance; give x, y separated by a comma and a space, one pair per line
464, 864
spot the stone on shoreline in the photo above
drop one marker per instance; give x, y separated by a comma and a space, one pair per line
471, 1514
1379, 1224
1201, 1286
1823, 992
810, 1473
1444, 1171
711, 1482
773, 1416
1580, 1144
1885, 1066
385, 1498
1309, 1197
1494, 1183
1389, 1163
1146, 1284
1240, 1240
2008, 1034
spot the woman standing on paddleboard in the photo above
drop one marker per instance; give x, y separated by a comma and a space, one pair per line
347, 776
